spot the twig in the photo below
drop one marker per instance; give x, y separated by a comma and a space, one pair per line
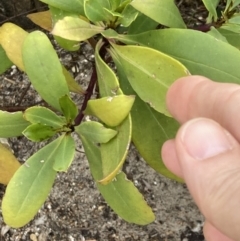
87, 97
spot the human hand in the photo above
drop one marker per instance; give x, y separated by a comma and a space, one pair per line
206, 151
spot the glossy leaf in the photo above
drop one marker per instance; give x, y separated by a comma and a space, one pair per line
59, 14
65, 154
75, 29
164, 12
42, 19
219, 63
150, 129
69, 108
12, 124
8, 164
44, 68
43, 115
150, 73
114, 152
110, 110
95, 132
4, 60
95, 10
11, 39
73, 86
76, 6
121, 195
107, 80
39, 132
31, 185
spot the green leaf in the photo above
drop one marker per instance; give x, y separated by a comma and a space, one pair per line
232, 38
110, 110
114, 152
76, 6
75, 29
231, 27
39, 132
4, 60
124, 198
12, 124
150, 129
211, 6
235, 19
30, 186
11, 39
43, 115
121, 195
142, 24
216, 34
107, 80
73, 86
56, 15
69, 108
115, 4
44, 68
95, 132
65, 154
164, 12
150, 73
235, 4
129, 14
219, 63
95, 12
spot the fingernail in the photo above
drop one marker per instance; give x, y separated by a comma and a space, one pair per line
204, 138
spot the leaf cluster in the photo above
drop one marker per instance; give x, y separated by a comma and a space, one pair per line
151, 47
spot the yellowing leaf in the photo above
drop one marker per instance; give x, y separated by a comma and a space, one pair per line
8, 164
110, 110
30, 186
73, 28
42, 19
150, 73
11, 39
114, 152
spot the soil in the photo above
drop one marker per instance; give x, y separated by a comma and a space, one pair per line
74, 210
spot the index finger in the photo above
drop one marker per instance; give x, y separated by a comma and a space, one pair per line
197, 96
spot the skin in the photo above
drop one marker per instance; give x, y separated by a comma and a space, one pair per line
206, 151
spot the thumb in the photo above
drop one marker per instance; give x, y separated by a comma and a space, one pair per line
209, 159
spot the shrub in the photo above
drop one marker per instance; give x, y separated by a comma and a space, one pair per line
130, 104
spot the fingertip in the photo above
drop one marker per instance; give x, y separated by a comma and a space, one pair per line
180, 93
170, 159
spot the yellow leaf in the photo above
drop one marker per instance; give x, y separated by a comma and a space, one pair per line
42, 19
11, 39
8, 164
